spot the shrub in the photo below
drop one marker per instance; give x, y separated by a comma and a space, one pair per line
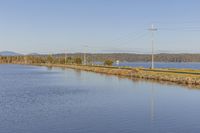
108, 62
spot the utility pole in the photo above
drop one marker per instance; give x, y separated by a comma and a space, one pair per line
152, 30
84, 59
65, 56
84, 56
25, 59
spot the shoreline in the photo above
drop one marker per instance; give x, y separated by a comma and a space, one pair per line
187, 77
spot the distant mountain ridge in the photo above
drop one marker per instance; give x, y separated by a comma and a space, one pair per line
9, 53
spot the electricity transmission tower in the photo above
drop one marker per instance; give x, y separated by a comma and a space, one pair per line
152, 30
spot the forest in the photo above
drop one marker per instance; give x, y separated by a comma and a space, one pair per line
78, 58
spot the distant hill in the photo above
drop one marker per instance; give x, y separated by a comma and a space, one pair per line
9, 53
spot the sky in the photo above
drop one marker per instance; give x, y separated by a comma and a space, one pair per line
57, 26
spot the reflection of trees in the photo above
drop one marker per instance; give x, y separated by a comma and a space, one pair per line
77, 72
49, 67
186, 86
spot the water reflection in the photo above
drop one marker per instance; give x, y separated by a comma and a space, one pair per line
41, 100
152, 104
49, 67
63, 68
78, 73
186, 86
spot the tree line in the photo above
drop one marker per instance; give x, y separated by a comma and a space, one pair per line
108, 59
145, 57
50, 59
163, 57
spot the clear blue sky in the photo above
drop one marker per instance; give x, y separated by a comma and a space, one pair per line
53, 26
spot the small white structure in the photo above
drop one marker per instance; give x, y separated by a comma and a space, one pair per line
117, 62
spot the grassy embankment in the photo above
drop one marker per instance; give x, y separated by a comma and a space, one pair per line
179, 76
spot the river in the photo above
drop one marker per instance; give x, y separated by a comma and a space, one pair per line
53, 100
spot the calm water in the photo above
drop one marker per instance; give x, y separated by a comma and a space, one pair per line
41, 100
190, 65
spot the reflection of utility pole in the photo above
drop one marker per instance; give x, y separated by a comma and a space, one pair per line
152, 30
152, 105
